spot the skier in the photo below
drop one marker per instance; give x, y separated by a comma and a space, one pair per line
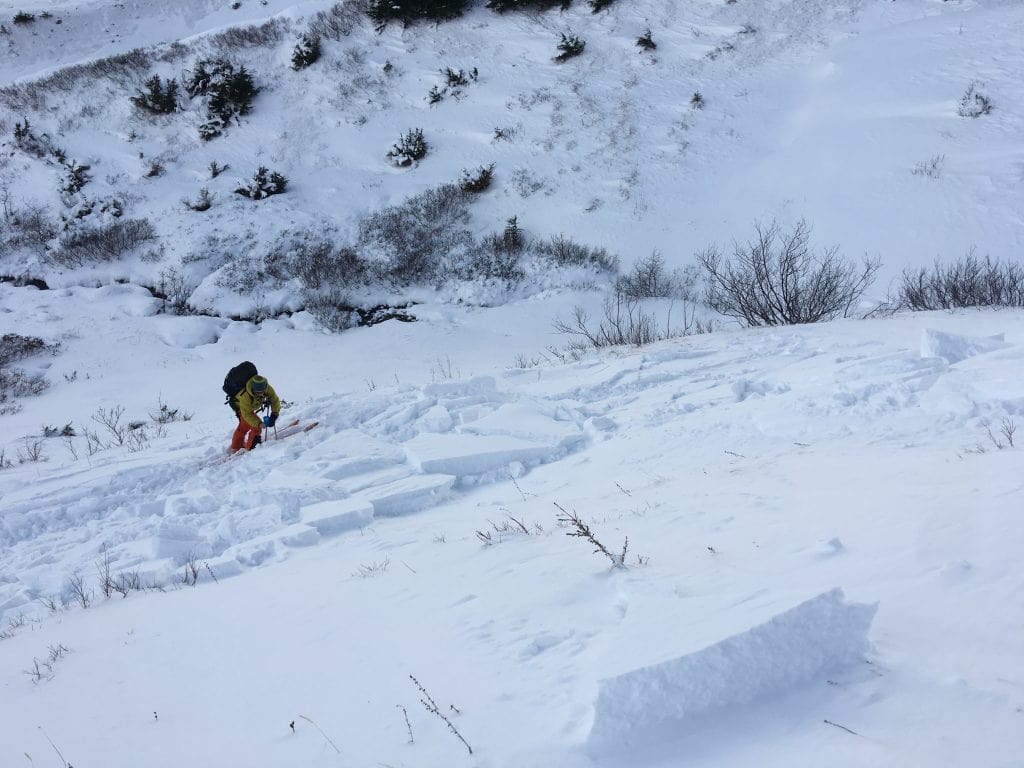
256, 395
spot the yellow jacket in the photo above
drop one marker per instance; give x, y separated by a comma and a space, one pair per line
248, 403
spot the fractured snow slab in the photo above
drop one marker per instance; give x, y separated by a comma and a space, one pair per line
953, 348
333, 517
409, 495
822, 634
467, 455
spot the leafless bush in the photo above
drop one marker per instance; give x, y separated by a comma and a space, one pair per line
373, 569
102, 243
14, 382
32, 452
174, 292
511, 526
407, 243
202, 203
581, 530
625, 323
564, 251
103, 571
649, 279
431, 706
1004, 438
14, 347
123, 69
127, 582
79, 591
777, 280
30, 225
321, 264
265, 35
333, 309
110, 419
339, 20
931, 168
968, 282
190, 575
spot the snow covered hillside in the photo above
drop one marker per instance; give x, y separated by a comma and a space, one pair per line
747, 547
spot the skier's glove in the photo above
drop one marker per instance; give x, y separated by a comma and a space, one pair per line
273, 420
267, 421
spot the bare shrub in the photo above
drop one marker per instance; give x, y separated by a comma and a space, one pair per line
777, 280
122, 68
649, 278
581, 530
564, 251
202, 203
931, 168
321, 265
14, 382
496, 256
338, 21
625, 323
406, 243
968, 282
265, 35
106, 242
78, 590
333, 308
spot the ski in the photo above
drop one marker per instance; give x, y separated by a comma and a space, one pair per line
280, 429
295, 429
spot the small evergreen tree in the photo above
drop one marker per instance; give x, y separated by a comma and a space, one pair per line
158, 98
646, 42
263, 184
230, 93
411, 147
306, 52
570, 46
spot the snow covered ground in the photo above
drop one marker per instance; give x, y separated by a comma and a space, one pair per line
821, 524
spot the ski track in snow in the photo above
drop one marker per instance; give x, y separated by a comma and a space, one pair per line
402, 451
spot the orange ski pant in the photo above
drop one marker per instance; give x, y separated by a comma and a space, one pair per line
244, 434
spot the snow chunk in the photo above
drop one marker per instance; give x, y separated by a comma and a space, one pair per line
409, 495
953, 348
789, 650
467, 455
333, 517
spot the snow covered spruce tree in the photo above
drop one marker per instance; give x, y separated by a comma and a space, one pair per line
410, 11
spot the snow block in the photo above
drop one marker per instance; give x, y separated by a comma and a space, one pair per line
790, 650
330, 518
412, 494
468, 455
953, 348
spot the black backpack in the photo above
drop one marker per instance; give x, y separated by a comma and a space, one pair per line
236, 380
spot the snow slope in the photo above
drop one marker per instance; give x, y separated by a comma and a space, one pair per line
821, 524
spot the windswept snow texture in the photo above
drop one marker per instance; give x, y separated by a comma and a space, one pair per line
823, 634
